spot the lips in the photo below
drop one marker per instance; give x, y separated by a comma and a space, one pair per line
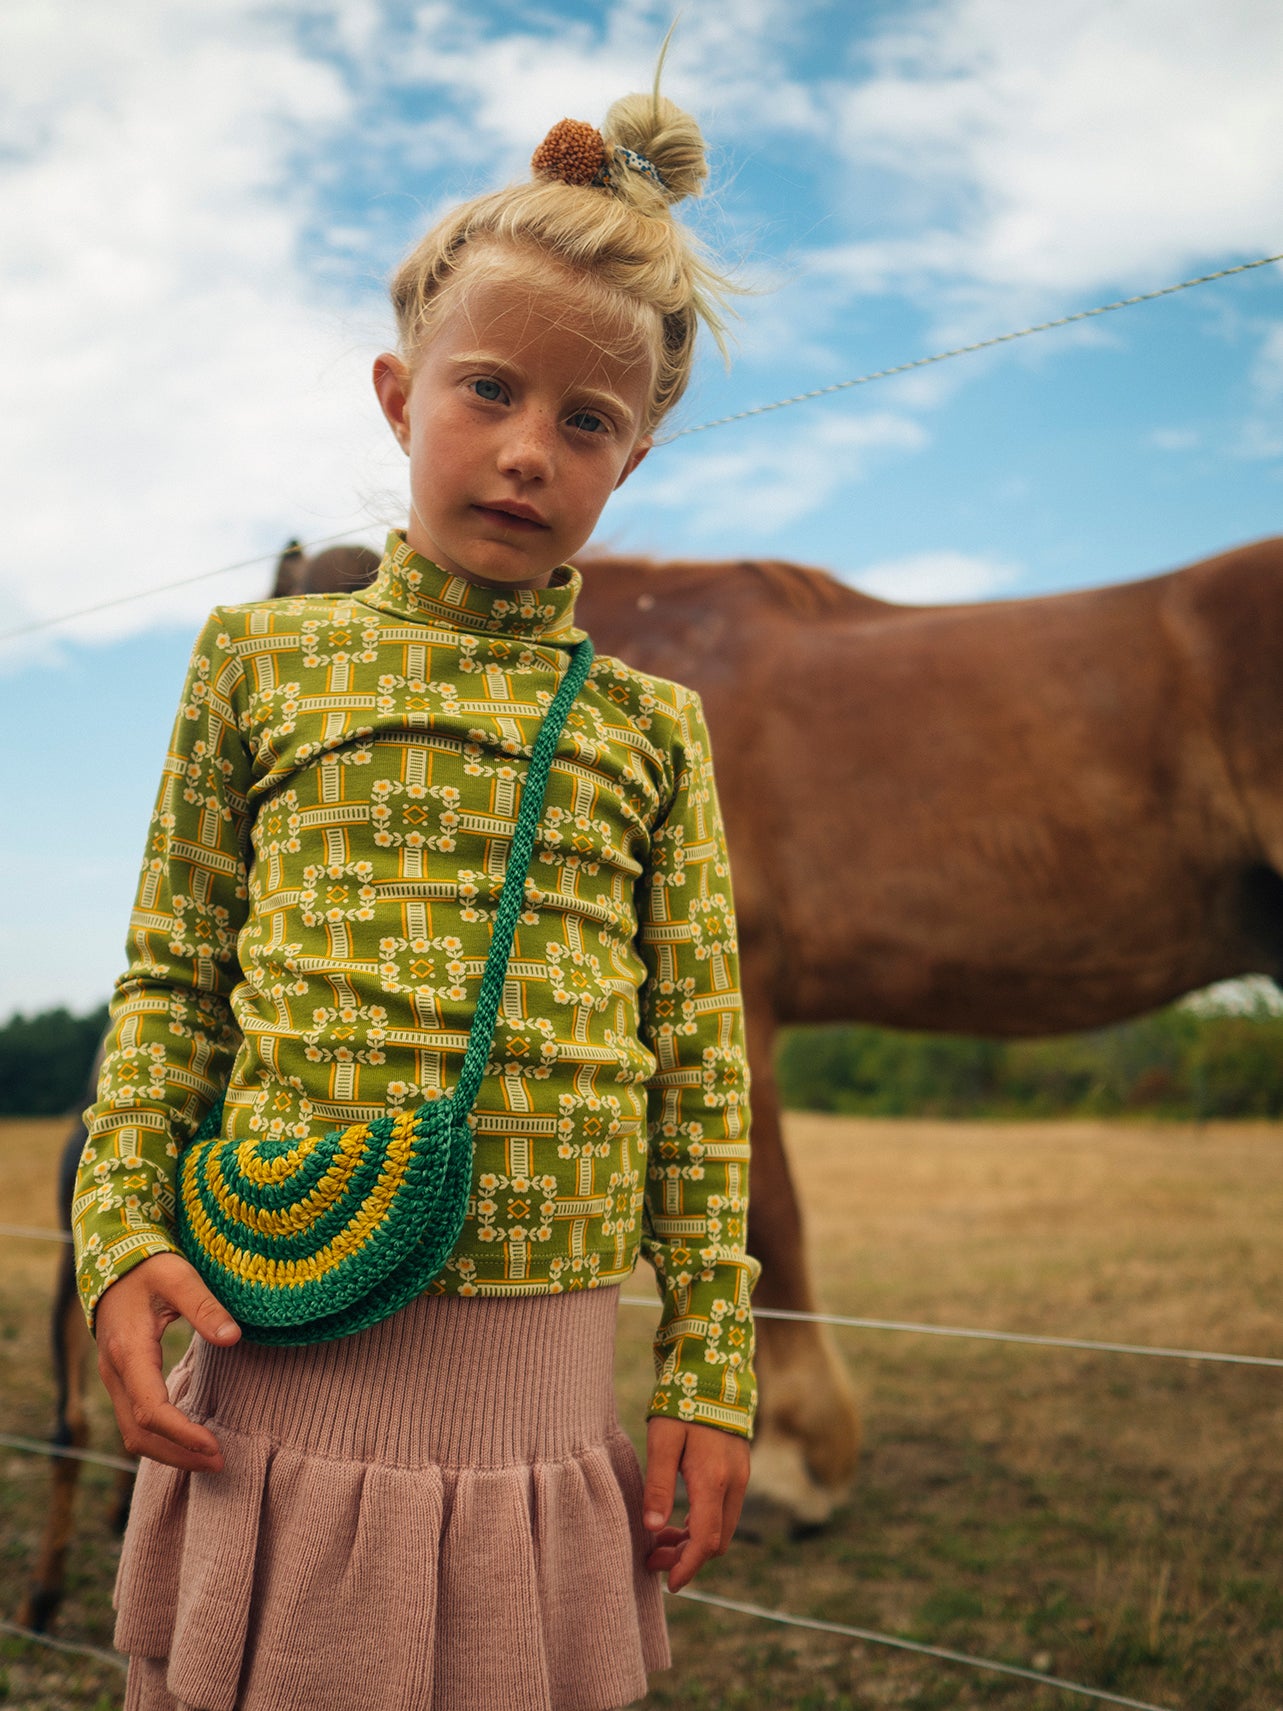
513, 513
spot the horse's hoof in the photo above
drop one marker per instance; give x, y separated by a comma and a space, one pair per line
782, 1481
38, 1608
764, 1522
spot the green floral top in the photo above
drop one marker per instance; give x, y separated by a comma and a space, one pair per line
313, 918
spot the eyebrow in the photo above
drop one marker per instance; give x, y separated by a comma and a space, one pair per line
588, 398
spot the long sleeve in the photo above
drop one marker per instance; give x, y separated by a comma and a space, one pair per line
172, 1037
696, 1207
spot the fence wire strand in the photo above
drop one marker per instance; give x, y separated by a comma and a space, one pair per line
870, 1637
969, 350
33, 1234
67, 1452
162, 588
1084, 1343
113, 1658
703, 427
1033, 1339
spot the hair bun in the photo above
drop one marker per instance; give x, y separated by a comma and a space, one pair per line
573, 151
656, 128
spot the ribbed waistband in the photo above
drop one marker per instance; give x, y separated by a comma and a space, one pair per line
459, 1381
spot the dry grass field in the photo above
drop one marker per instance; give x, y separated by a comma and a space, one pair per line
1114, 1520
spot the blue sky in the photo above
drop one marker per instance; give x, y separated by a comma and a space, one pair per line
199, 205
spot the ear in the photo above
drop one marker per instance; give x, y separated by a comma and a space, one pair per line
634, 458
392, 385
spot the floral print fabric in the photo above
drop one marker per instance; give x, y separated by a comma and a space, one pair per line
313, 917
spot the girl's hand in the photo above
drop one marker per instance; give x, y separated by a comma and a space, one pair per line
714, 1466
129, 1324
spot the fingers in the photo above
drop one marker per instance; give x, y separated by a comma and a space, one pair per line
149, 1423
667, 1549
143, 1440
714, 1466
131, 1322
664, 1442
731, 1515
706, 1486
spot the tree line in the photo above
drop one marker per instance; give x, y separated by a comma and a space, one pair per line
45, 1061
1177, 1063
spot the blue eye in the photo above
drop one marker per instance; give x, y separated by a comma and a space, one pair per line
589, 422
490, 390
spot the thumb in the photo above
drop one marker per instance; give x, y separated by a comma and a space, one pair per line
203, 1312
664, 1440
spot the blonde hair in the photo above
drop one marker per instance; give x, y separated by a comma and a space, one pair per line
619, 241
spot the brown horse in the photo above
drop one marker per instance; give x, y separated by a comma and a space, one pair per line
1012, 818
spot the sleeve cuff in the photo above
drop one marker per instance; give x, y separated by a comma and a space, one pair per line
102, 1264
681, 1399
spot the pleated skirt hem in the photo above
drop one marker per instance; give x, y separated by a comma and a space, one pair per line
441, 1513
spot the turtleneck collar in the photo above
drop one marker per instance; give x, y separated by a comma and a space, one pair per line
410, 586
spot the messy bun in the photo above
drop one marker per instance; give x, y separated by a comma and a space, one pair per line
658, 130
598, 212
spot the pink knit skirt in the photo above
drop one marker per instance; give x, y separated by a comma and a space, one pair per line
438, 1514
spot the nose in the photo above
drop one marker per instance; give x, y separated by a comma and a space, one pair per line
527, 450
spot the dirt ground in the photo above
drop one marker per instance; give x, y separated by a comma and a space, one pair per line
1110, 1519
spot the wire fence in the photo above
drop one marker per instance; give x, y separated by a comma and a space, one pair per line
1032, 1338
66, 1452
76, 1649
162, 588
871, 1637
783, 1618
848, 1321
991, 343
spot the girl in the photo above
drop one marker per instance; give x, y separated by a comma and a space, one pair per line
442, 1511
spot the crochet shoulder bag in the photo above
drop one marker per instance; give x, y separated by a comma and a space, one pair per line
303, 1241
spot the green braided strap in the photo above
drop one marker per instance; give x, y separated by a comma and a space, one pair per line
303, 1241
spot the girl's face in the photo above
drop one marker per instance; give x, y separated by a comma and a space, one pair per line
518, 426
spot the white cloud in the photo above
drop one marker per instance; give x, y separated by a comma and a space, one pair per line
769, 481
188, 293
935, 578
1045, 154
177, 390
188, 194
514, 84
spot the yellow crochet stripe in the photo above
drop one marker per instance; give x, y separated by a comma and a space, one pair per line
331, 1185
284, 1274
287, 1220
267, 1172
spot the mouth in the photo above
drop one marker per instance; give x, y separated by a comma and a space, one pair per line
513, 514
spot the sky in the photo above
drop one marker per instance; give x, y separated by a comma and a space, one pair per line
200, 204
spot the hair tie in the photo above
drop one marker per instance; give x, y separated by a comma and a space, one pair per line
639, 163
575, 152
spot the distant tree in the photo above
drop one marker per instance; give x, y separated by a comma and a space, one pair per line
1181, 1062
45, 1059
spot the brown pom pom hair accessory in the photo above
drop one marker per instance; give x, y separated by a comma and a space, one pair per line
574, 152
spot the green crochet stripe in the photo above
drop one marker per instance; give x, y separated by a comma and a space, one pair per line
395, 1261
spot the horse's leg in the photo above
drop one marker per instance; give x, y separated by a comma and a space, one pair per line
808, 1424
71, 1350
